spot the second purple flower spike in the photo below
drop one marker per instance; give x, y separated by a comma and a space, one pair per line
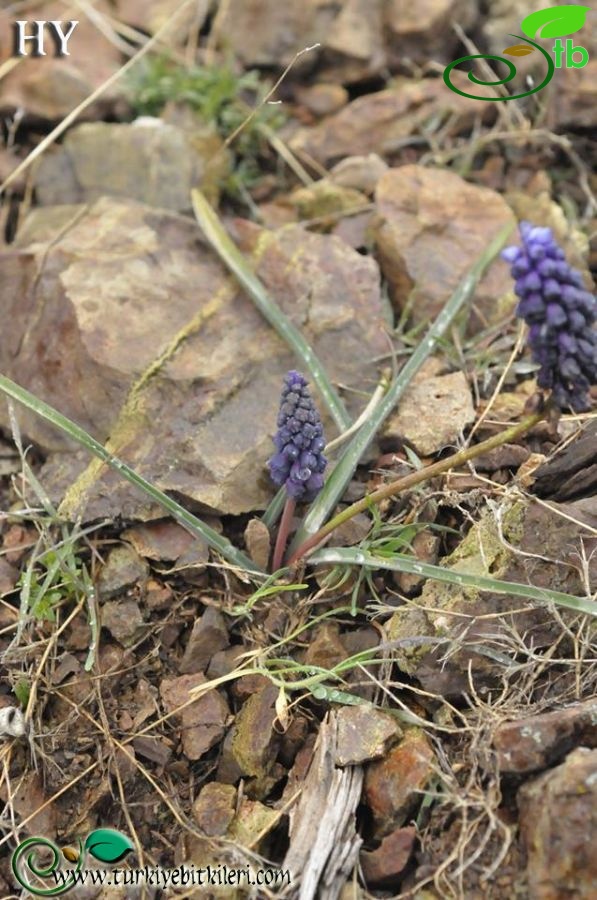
299, 463
561, 316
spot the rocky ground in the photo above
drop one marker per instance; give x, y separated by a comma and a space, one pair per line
457, 755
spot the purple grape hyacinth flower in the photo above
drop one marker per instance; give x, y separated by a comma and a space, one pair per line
561, 316
299, 463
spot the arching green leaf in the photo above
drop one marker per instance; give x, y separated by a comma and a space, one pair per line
555, 21
108, 845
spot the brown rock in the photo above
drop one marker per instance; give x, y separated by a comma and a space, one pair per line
244, 687
293, 739
110, 659
123, 619
384, 864
364, 733
353, 43
149, 160
357, 38
359, 172
151, 15
32, 802
15, 543
323, 202
228, 771
393, 786
509, 456
258, 542
214, 808
153, 749
160, 540
362, 683
251, 745
574, 105
424, 30
349, 33
8, 576
433, 226
252, 823
146, 703
536, 742
123, 568
558, 822
432, 414
380, 122
224, 661
572, 472
193, 561
208, 635
68, 665
129, 292
276, 30
158, 596
425, 546
323, 99
355, 230
351, 532
325, 648
203, 720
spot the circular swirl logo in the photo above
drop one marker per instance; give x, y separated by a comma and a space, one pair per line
26, 856
516, 50
104, 844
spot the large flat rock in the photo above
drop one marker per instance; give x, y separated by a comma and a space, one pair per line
120, 316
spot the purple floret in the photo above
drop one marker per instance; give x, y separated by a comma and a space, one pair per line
299, 463
561, 316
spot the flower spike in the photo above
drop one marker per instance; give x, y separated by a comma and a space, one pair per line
299, 463
561, 316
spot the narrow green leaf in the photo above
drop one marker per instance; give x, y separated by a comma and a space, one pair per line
108, 845
338, 481
555, 21
398, 563
178, 512
219, 239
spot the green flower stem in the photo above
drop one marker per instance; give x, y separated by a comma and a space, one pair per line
283, 531
414, 478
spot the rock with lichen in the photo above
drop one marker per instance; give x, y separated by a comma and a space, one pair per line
516, 541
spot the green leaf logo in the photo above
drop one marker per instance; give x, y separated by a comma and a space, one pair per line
108, 845
555, 21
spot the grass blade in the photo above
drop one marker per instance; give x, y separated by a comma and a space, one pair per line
219, 239
178, 512
345, 468
399, 563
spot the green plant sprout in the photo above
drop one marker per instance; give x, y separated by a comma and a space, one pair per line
219, 97
51, 578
